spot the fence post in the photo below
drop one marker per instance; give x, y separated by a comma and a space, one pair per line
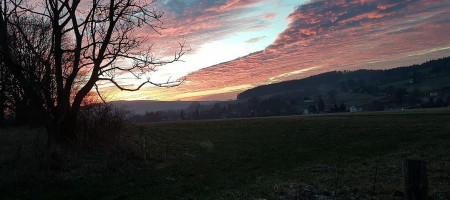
415, 179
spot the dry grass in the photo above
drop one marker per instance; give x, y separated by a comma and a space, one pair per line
315, 157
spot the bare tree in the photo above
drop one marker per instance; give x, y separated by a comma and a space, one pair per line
74, 45
13, 96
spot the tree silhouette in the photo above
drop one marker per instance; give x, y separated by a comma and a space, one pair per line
13, 95
75, 45
320, 104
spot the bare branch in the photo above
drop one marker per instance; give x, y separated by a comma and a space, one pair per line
64, 47
167, 84
98, 93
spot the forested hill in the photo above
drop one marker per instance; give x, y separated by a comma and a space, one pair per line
345, 79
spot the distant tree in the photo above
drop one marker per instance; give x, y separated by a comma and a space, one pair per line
215, 111
342, 107
399, 95
224, 110
352, 84
417, 77
269, 107
390, 90
416, 93
335, 108
152, 116
436, 69
332, 96
312, 108
87, 41
362, 82
320, 104
197, 113
182, 115
253, 103
344, 87
371, 89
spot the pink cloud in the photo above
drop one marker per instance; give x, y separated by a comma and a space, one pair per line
322, 36
338, 40
197, 27
269, 16
233, 5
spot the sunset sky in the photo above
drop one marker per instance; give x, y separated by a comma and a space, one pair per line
239, 44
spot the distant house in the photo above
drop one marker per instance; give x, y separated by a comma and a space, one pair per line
438, 100
306, 112
425, 99
308, 100
354, 109
438, 97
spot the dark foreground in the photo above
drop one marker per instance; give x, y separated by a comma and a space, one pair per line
315, 157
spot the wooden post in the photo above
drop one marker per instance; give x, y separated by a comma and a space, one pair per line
415, 180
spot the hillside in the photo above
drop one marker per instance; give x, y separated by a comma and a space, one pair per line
434, 73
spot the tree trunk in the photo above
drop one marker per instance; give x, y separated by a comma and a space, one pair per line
62, 131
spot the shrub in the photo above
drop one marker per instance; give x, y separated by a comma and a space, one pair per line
101, 124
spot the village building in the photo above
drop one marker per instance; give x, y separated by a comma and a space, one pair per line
306, 112
308, 100
354, 109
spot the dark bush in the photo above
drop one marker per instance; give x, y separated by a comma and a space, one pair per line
102, 124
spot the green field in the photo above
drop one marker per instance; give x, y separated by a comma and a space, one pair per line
301, 157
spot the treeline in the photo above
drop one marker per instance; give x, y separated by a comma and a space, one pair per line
196, 111
416, 86
279, 105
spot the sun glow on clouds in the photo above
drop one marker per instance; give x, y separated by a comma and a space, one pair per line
283, 76
327, 35
193, 95
216, 31
428, 51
